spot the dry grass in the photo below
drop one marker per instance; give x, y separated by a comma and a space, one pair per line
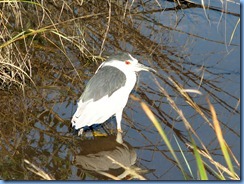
37, 40
220, 171
38, 171
128, 171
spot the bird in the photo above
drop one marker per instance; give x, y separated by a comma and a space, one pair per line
107, 92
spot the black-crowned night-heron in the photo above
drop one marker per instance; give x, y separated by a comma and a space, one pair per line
107, 92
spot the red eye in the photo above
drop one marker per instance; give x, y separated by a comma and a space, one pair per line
127, 62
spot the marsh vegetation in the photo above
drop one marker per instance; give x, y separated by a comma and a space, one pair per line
183, 123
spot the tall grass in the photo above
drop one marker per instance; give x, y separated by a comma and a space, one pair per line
220, 171
22, 31
92, 29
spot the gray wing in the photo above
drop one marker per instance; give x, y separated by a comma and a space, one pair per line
106, 81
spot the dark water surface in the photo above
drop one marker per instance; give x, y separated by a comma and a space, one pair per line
188, 46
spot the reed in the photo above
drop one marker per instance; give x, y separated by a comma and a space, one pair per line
220, 170
89, 29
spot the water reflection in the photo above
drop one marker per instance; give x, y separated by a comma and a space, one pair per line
105, 156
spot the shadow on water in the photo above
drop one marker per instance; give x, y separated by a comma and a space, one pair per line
190, 47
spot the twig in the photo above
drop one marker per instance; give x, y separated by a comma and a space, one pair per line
107, 30
38, 171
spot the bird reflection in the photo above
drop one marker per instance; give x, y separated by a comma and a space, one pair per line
108, 155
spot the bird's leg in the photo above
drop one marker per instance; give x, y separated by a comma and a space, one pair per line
120, 130
80, 132
118, 120
119, 138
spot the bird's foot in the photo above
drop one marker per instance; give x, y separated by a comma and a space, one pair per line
99, 134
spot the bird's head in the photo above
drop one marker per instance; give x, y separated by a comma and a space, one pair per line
126, 62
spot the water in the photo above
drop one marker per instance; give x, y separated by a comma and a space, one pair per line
190, 46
